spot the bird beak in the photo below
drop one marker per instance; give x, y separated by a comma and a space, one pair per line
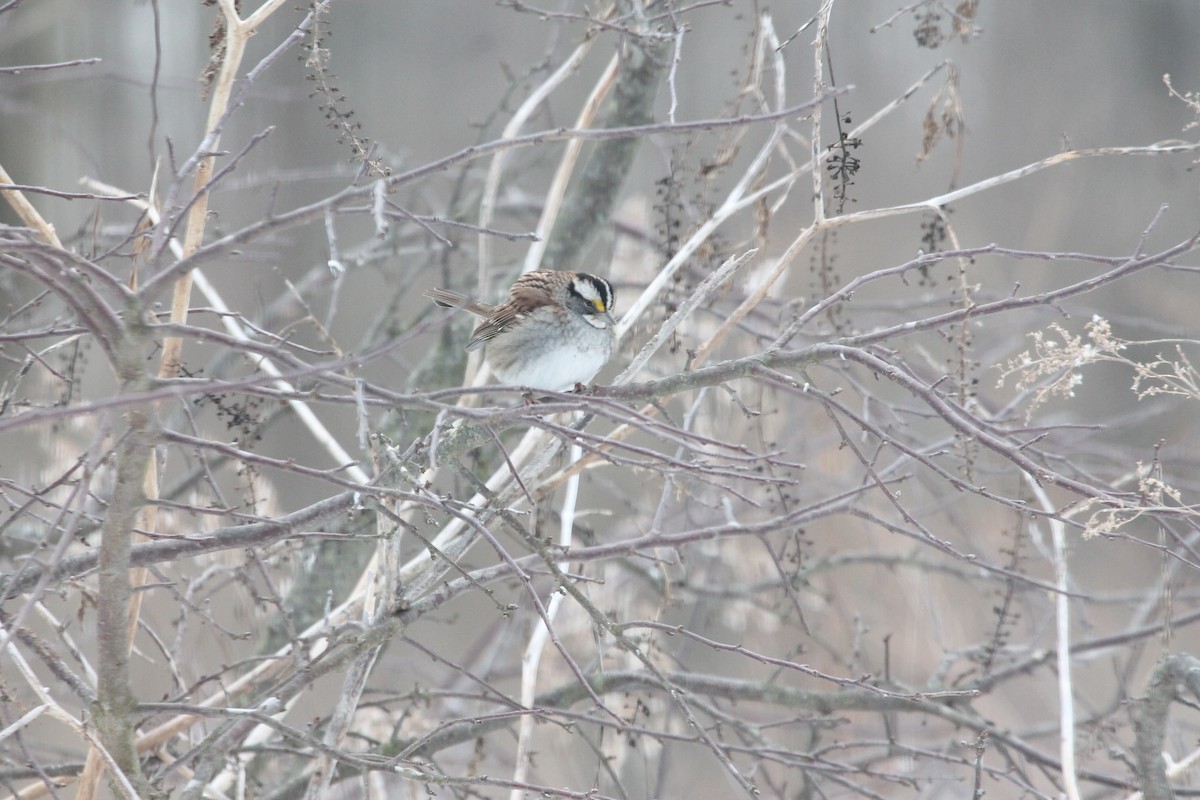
600, 321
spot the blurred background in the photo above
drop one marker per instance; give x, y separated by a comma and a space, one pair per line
424, 80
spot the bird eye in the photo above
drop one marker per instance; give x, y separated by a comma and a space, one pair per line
595, 291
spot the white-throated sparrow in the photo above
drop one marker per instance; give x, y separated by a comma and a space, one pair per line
554, 331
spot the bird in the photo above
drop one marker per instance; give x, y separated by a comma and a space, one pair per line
553, 333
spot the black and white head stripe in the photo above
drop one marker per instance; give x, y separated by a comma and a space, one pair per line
596, 291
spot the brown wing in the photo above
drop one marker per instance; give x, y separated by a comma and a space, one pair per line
534, 287
529, 291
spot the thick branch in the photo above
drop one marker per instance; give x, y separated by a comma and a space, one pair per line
1175, 676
